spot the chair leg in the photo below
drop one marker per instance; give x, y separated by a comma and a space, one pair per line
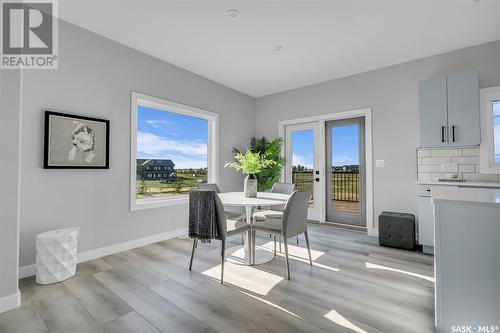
253, 247
274, 245
286, 259
250, 254
279, 240
308, 247
242, 239
297, 239
222, 254
195, 244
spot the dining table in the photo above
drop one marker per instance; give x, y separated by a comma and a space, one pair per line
239, 254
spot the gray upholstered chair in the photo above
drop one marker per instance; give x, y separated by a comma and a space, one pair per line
292, 223
225, 228
286, 188
277, 211
230, 214
283, 188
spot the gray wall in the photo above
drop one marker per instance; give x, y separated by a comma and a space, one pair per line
94, 78
392, 93
10, 117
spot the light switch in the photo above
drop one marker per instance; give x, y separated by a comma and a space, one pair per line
380, 163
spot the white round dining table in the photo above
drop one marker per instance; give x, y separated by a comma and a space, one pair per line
239, 254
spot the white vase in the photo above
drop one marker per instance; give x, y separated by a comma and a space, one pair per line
250, 186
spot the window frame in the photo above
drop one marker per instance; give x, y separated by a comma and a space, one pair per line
487, 155
139, 99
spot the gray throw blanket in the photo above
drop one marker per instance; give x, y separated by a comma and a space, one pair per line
202, 215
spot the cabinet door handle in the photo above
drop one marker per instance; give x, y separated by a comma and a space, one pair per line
442, 133
453, 133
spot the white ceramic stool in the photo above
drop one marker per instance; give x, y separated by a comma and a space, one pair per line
56, 255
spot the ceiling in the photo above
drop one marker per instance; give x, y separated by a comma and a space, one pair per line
320, 40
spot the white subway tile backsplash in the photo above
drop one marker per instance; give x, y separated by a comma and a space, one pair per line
424, 176
436, 160
438, 175
424, 153
446, 152
476, 177
471, 152
465, 160
430, 168
466, 168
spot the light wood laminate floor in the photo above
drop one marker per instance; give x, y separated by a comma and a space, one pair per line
353, 286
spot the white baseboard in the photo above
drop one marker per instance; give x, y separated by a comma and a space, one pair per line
30, 270
373, 232
10, 302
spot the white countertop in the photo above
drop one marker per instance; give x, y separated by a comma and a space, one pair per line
461, 184
467, 196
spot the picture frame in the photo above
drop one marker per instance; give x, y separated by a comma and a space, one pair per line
75, 142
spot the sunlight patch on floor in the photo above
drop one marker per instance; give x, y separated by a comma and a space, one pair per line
270, 303
386, 268
244, 277
298, 253
294, 250
338, 319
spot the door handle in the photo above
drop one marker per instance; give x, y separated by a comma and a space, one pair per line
442, 133
453, 133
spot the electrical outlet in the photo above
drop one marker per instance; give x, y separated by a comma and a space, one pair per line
380, 163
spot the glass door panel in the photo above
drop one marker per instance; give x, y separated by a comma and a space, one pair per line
345, 171
301, 159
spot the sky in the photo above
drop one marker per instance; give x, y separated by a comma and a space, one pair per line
344, 147
184, 140
496, 129
167, 135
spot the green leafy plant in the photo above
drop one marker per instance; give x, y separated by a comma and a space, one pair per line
270, 150
142, 189
249, 163
177, 186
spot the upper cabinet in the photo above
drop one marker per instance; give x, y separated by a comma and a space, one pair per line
449, 110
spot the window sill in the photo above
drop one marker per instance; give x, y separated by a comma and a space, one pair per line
143, 204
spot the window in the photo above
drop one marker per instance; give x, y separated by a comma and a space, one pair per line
490, 130
172, 137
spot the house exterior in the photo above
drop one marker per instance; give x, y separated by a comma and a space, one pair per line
156, 169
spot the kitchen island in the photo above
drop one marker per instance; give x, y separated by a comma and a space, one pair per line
467, 259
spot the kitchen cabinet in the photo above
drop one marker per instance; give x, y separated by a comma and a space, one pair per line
449, 110
426, 224
463, 109
433, 112
426, 218
466, 260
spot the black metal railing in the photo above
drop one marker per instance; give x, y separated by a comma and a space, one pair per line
345, 184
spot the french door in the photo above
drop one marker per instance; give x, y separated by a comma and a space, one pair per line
345, 171
302, 153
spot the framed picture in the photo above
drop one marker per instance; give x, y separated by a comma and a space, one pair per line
75, 142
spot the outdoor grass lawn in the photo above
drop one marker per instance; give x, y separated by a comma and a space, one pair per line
186, 181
